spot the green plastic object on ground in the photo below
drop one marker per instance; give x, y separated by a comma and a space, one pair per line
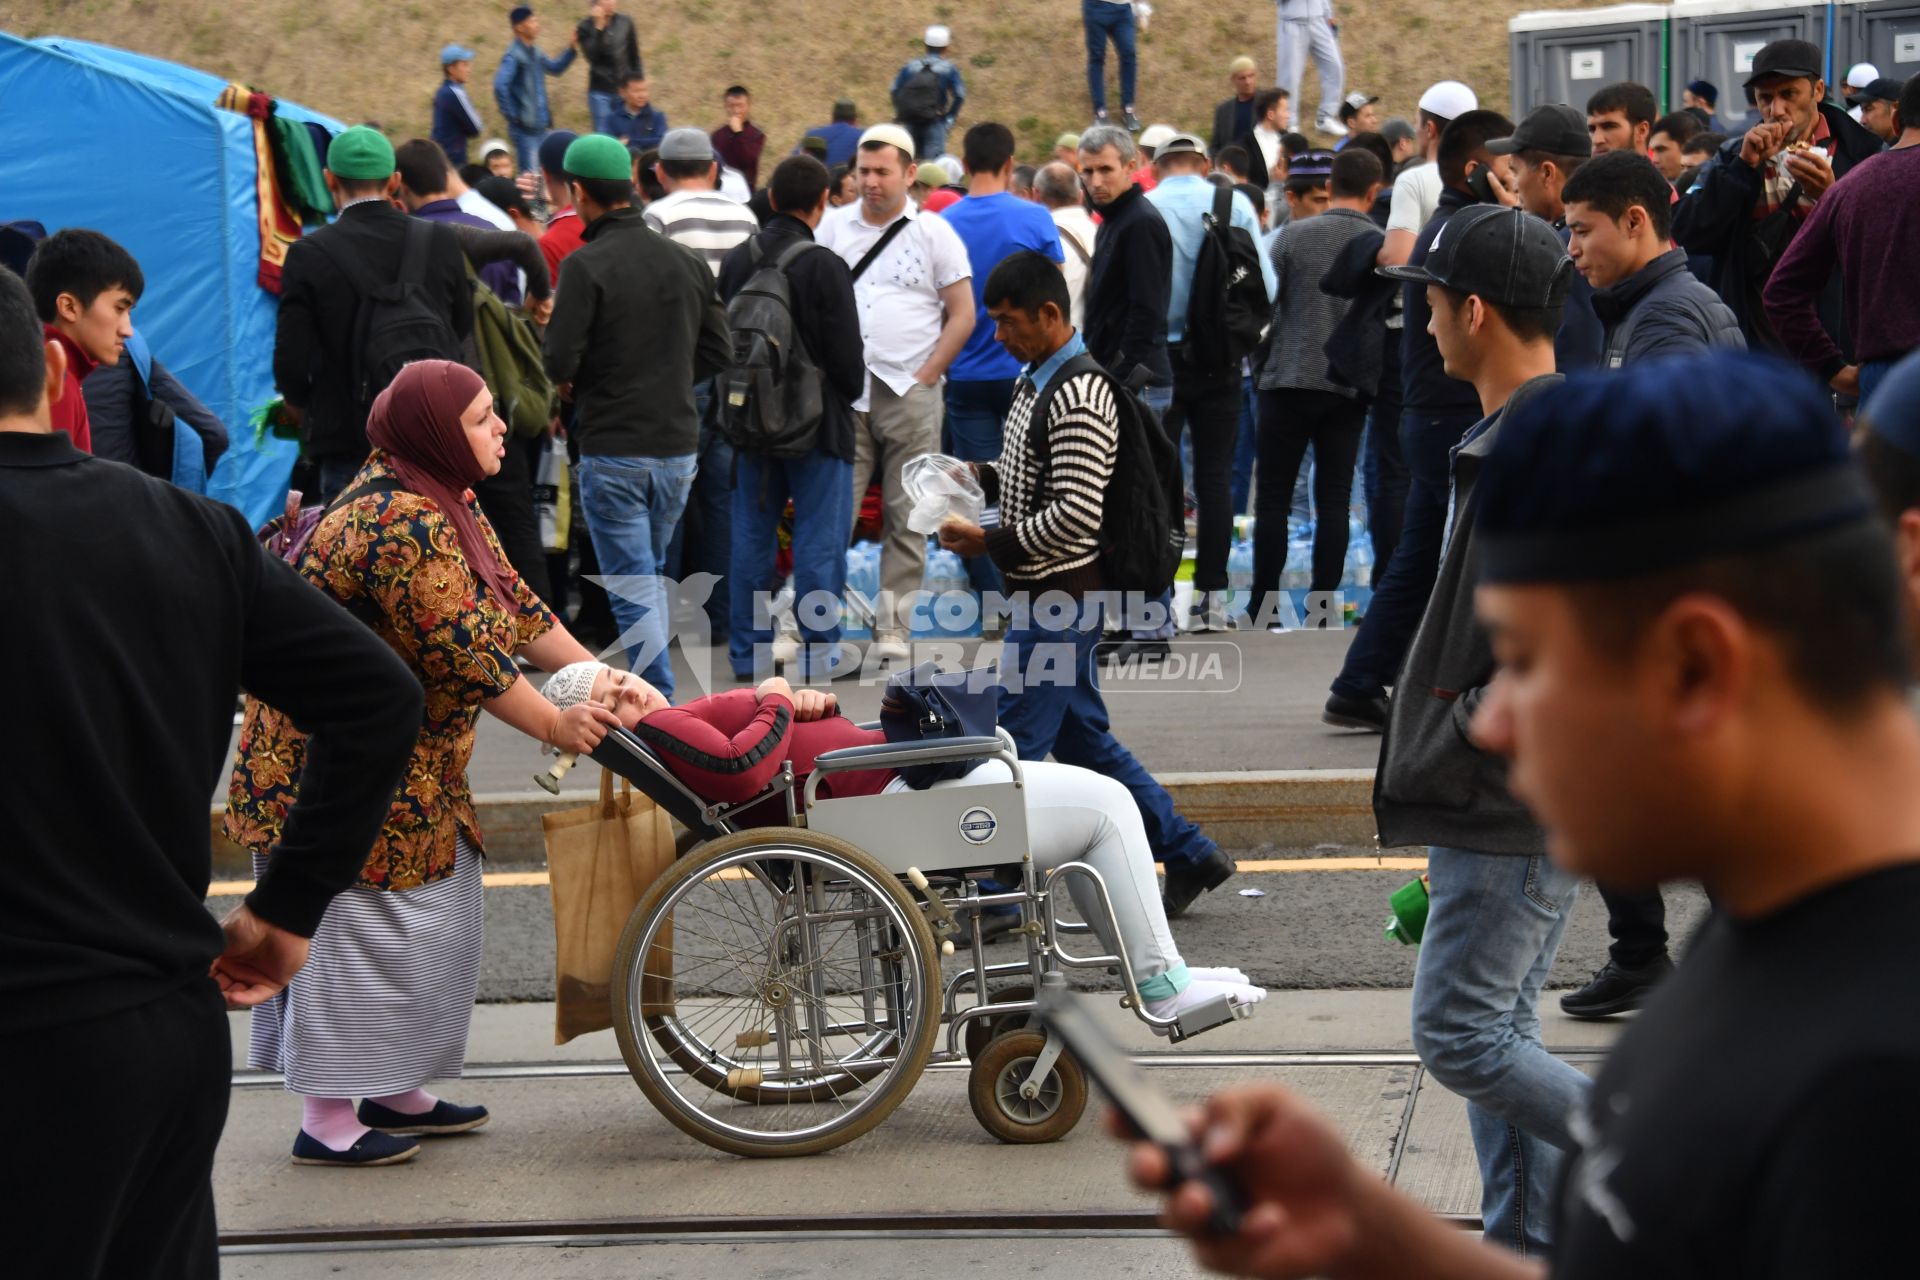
1409, 922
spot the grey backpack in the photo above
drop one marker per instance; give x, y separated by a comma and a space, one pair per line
770, 398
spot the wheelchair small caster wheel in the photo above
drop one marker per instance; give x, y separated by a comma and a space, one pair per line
1011, 1110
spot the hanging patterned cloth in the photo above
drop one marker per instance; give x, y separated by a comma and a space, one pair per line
279, 218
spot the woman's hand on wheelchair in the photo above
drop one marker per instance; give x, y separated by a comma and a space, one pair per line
582, 727
814, 704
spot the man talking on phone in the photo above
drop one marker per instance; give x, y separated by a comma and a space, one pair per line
1704, 670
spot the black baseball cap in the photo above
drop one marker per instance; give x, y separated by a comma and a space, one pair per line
1507, 256
1885, 89
1556, 129
1790, 59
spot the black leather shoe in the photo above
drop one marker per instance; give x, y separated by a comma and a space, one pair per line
1369, 714
1188, 880
1615, 989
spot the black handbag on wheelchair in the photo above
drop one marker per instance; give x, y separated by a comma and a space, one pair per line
926, 704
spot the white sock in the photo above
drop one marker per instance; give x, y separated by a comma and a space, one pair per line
1203, 973
1201, 990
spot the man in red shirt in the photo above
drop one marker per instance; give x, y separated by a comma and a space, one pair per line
84, 287
564, 227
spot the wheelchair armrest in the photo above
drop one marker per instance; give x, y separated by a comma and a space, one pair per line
899, 755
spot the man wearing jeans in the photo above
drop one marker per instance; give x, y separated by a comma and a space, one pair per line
1496, 281
636, 322
1206, 387
612, 49
520, 86
991, 223
1050, 483
913, 283
1110, 20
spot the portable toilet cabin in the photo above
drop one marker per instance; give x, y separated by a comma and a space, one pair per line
1883, 32
1565, 55
1716, 40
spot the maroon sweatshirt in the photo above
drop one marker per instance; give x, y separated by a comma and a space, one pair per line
1867, 229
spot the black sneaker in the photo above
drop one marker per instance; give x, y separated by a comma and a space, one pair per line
1615, 989
1369, 714
1187, 881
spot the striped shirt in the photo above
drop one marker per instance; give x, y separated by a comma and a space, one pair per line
1051, 491
704, 221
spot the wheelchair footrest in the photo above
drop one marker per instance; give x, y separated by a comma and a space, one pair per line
1217, 1012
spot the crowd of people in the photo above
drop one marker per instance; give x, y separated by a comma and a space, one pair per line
1637, 614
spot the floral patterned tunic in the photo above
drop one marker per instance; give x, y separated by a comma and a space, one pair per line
395, 561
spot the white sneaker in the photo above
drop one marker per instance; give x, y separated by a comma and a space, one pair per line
786, 649
1329, 126
889, 646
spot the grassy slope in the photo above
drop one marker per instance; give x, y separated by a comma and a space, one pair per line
1023, 59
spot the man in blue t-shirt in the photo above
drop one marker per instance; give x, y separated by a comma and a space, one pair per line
992, 223
842, 136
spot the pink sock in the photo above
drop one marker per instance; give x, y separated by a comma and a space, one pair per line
331, 1122
414, 1102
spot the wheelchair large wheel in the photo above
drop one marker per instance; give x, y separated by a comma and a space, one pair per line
767, 978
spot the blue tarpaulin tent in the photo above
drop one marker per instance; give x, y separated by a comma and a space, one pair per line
161, 169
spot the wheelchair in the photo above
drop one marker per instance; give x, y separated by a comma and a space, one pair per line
779, 991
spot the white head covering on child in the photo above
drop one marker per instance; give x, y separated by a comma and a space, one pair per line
573, 683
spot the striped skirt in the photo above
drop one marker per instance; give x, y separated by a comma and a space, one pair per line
387, 993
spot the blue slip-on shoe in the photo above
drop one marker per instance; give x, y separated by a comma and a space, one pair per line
445, 1118
372, 1149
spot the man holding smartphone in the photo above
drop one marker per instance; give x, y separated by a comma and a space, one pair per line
1704, 671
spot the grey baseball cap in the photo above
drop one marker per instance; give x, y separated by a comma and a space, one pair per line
686, 144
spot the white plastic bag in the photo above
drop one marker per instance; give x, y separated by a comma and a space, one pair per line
941, 487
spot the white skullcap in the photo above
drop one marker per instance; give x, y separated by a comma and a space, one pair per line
573, 684
1449, 100
938, 37
1862, 74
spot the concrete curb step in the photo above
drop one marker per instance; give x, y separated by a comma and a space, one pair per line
1282, 808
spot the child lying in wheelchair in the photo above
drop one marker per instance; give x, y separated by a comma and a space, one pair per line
728, 746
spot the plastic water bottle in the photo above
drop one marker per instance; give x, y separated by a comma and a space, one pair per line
1298, 575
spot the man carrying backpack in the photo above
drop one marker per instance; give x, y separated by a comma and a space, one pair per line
927, 95
1213, 282
779, 286
1074, 438
358, 299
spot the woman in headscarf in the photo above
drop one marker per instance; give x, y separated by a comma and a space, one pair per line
384, 1001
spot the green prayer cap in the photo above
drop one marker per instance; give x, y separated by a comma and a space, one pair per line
598, 156
360, 155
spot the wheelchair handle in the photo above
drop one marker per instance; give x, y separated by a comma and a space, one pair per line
550, 780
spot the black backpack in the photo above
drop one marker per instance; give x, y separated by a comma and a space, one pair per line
397, 322
919, 98
1228, 308
1143, 523
770, 398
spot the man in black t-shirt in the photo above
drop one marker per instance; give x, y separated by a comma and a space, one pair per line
1700, 625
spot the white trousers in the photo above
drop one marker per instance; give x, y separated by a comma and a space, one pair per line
1295, 38
1077, 815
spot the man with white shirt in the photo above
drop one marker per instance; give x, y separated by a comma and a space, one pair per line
1416, 192
914, 287
1272, 116
1057, 187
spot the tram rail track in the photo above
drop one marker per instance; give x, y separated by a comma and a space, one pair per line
615, 1068
744, 1229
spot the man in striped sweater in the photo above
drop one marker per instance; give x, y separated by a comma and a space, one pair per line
1050, 486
